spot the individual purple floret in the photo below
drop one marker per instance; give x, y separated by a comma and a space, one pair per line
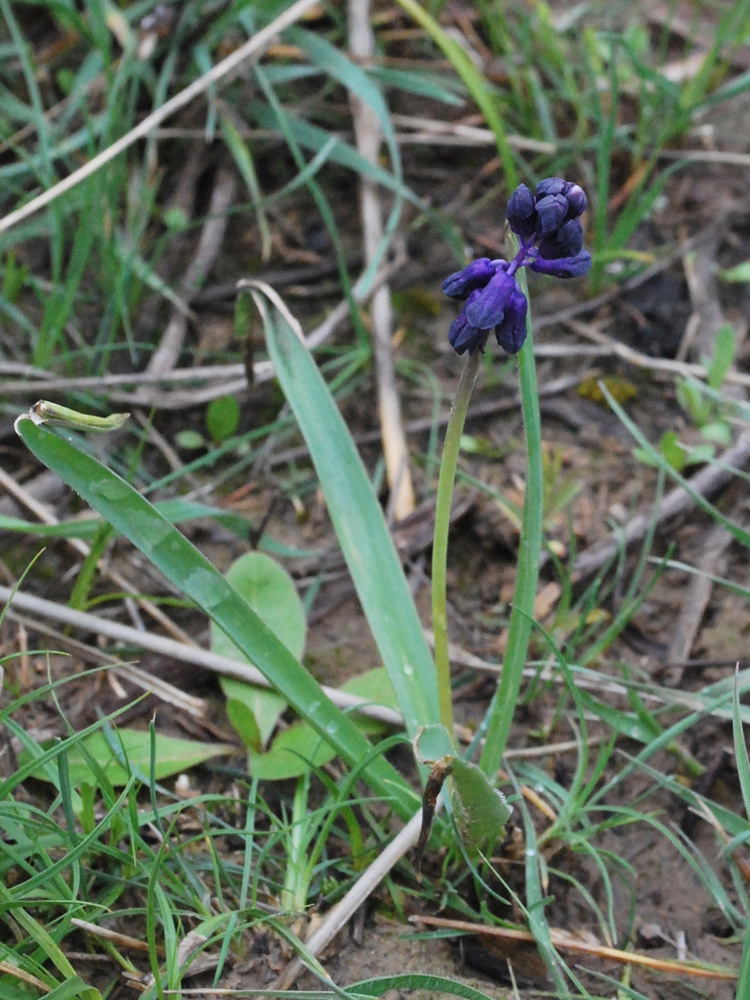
564, 267
521, 212
511, 333
475, 275
551, 238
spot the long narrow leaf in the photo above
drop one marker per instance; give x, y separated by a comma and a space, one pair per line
181, 563
356, 516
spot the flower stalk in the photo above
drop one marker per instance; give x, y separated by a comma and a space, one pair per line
446, 481
546, 237
501, 711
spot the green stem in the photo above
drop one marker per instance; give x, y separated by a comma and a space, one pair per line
522, 615
446, 480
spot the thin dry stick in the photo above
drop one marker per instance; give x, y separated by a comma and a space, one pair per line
176, 650
165, 356
712, 562
121, 940
45, 515
369, 138
253, 47
619, 350
438, 132
157, 686
705, 483
564, 941
24, 977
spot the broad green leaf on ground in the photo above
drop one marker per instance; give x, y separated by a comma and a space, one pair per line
298, 747
356, 515
183, 565
271, 593
292, 753
373, 685
133, 746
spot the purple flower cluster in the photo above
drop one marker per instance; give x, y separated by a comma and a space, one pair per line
549, 229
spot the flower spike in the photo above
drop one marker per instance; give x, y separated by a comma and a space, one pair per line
548, 227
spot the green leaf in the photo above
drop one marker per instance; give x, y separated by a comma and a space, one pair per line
408, 981
189, 440
133, 746
356, 515
741, 272
723, 356
740, 747
291, 754
222, 418
718, 431
243, 715
433, 744
673, 451
74, 989
373, 685
480, 810
270, 592
133, 516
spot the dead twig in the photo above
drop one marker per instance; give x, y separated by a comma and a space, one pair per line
703, 484
166, 354
369, 139
164, 646
712, 563
566, 942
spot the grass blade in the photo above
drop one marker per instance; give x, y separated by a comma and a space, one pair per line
181, 563
356, 516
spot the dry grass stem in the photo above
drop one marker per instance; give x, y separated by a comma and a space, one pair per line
705, 483
176, 650
566, 942
369, 140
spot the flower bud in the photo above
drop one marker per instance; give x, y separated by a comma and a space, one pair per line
550, 185
521, 212
486, 310
564, 267
566, 242
551, 212
577, 200
511, 333
475, 275
462, 335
